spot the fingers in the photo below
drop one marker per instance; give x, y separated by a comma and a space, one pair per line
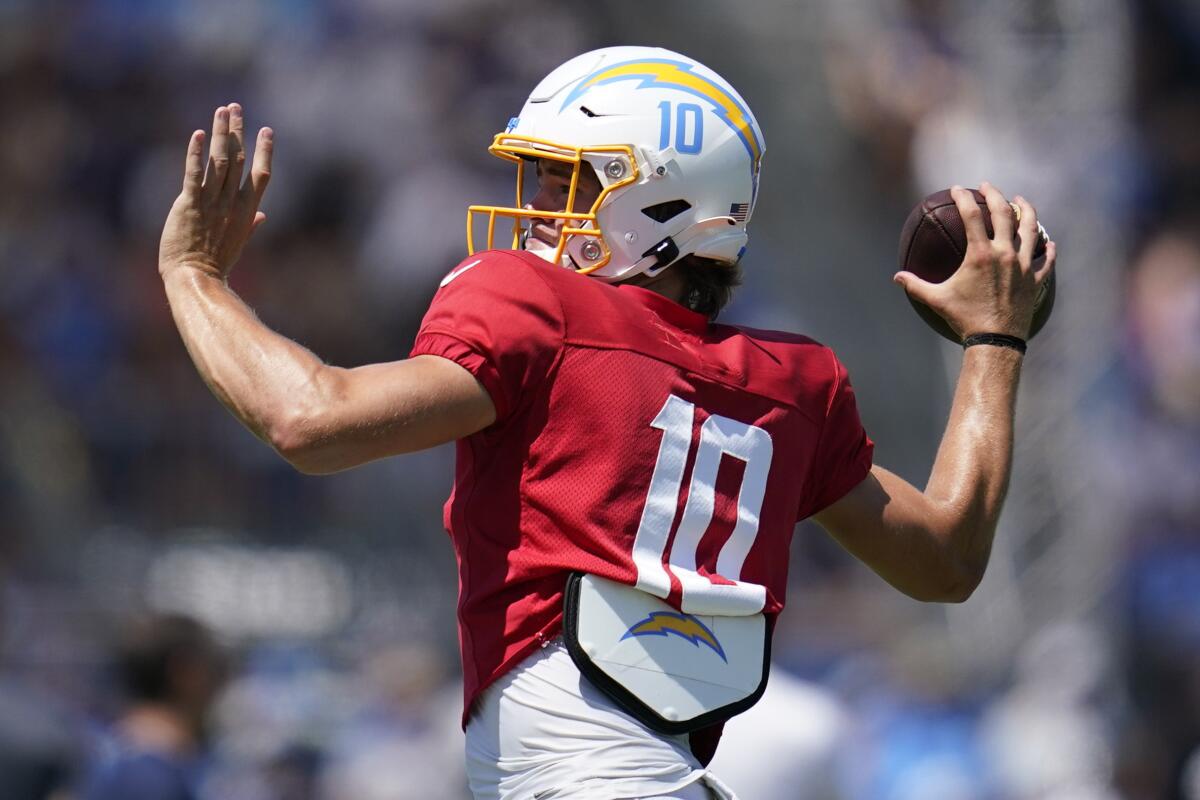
972, 217
1001, 212
917, 288
260, 171
222, 185
193, 166
237, 155
226, 155
250, 196
237, 125
1047, 265
218, 155
1027, 229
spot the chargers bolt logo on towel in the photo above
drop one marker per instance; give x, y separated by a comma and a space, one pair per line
685, 626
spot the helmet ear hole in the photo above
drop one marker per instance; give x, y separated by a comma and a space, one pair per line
661, 212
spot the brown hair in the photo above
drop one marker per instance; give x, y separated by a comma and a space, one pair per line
709, 284
155, 648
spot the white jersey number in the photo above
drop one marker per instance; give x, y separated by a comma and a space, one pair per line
718, 436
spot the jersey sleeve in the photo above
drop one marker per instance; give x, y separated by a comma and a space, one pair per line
844, 450
494, 316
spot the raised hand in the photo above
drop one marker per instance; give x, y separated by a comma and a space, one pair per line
994, 289
216, 211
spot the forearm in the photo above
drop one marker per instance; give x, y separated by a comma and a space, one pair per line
320, 418
971, 472
266, 380
934, 544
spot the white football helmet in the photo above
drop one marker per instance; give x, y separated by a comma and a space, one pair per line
676, 150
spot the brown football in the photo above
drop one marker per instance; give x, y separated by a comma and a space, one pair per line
933, 243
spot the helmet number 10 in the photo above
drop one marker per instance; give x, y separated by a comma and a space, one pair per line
689, 127
719, 436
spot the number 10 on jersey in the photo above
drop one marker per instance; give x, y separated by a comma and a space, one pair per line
718, 436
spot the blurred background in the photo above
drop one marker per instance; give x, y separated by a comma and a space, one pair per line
132, 507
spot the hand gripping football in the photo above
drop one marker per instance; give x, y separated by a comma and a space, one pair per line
933, 243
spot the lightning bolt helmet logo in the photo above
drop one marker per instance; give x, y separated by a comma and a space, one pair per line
670, 74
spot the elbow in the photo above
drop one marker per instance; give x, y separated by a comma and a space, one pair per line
304, 428
953, 580
960, 586
964, 548
295, 434
959, 580
945, 585
954, 588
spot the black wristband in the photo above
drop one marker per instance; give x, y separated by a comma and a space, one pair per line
996, 339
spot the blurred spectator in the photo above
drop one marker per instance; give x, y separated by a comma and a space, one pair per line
171, 669
1164, 322
1158, 420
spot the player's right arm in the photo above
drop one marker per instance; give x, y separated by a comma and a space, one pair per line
934, 544
320, 418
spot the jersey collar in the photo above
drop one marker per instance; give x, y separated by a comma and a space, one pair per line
678, 315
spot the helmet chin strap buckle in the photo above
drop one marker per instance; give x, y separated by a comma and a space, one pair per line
665, 253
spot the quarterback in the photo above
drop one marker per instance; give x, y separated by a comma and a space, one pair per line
629, 472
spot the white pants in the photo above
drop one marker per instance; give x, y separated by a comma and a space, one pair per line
544, 732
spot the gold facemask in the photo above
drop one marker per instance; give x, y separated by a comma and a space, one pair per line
522, 149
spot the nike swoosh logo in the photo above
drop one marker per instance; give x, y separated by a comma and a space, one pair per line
459, 271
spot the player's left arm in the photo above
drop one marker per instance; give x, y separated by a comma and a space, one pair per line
934, 544
320, 418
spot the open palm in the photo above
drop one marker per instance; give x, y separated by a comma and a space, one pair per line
216, 212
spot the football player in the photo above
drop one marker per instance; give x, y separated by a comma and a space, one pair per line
629, 471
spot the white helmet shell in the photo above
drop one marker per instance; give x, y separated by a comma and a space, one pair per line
695, 146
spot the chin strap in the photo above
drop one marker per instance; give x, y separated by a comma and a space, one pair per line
666, 252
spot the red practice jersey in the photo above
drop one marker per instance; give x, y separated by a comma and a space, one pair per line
634, 440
